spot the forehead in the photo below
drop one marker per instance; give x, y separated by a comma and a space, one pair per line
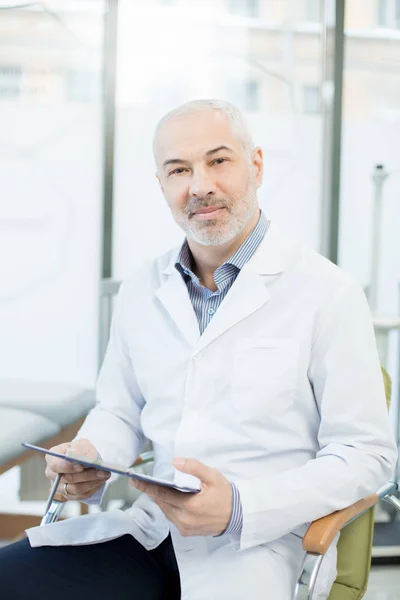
192, 135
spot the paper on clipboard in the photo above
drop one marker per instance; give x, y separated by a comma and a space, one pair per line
120, 470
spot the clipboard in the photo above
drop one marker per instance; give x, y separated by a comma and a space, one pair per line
113, 468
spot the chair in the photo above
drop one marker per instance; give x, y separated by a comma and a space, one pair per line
355, 524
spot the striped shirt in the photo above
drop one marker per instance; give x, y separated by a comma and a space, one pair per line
206, 302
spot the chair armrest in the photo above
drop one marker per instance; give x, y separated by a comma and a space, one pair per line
322, 532
60, 497
143, 458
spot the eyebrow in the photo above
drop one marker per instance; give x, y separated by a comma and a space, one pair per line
174, 161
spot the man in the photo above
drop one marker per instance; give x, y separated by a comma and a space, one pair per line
250, 363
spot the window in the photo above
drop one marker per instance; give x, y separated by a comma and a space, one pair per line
313, 11
83, 86
382, 12
245, 65
244, 94
252, 96
51, 178
10, 82
389, 14
311, 100
244, 8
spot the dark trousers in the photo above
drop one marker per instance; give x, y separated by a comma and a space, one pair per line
122, 569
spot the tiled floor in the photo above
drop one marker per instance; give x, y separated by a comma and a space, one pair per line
384, 583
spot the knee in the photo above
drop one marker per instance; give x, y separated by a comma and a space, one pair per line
12, 559
12, 554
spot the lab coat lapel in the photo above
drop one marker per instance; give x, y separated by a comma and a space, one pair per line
250, 291
247, 294
174, 296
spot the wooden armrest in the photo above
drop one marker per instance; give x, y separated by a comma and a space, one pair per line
322, 532
84, 510
144, 458
60, 497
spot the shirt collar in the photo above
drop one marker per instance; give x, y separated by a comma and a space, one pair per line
184, 262
250, 245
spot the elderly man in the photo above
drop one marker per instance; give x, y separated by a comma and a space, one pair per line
250, 363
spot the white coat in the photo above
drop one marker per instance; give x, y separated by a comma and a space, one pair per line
283, 393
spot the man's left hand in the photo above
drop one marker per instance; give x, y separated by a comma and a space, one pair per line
204, 513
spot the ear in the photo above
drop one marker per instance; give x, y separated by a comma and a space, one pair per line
257, 162
159, 181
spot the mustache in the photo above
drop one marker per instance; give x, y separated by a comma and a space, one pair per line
197, 204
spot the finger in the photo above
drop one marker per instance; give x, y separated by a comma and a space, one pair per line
79, 491
195, 467
51, 475
161, 493
93, 475
81, 447
86, 474
59, 465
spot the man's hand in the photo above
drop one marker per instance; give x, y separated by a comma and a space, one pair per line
204, 513
82, 482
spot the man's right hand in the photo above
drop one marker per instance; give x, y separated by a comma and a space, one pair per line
82, 482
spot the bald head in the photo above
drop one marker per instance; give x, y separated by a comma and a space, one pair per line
215, 110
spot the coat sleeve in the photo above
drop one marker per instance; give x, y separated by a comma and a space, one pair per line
357, 452
113, 426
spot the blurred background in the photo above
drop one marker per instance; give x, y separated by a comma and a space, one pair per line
82, 85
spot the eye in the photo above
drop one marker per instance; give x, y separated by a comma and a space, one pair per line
177, 171
219, 161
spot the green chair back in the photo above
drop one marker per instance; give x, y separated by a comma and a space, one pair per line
355, 546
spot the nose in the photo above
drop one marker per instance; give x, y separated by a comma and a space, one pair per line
202, 185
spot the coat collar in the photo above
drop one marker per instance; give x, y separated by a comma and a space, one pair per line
274, 254
248, 293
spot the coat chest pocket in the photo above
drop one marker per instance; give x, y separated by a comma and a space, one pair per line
264, 376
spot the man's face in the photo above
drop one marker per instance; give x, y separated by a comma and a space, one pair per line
207, 178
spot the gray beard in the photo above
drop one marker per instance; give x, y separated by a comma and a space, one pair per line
208, 236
